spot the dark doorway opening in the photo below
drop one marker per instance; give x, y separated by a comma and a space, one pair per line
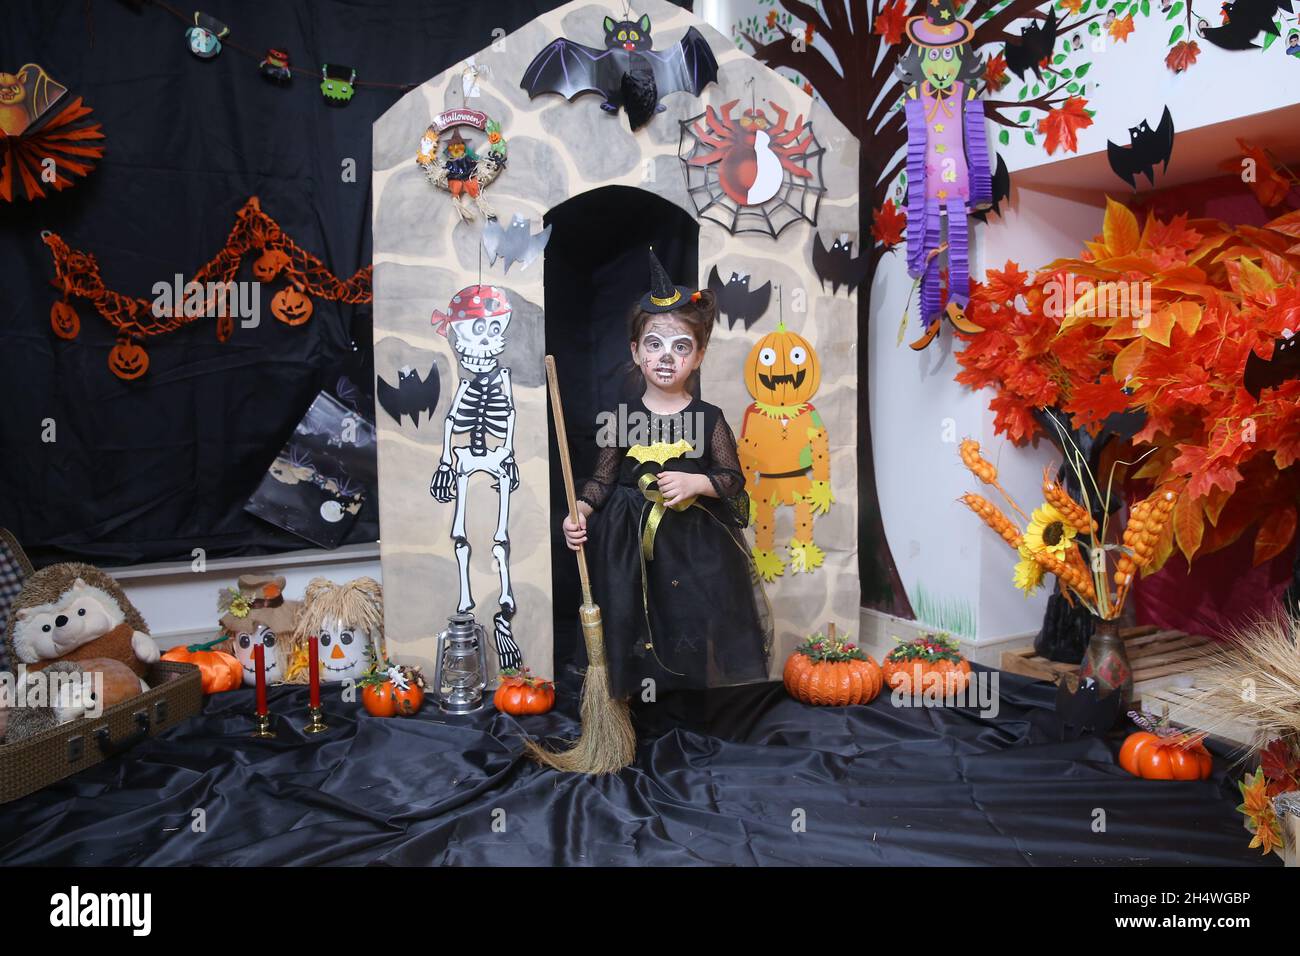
596, 268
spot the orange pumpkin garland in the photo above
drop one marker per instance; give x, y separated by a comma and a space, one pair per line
830, 672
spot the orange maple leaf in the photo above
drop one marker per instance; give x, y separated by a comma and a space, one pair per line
1072, 5
1061, 126
1003, 285
771, 18
1120, 29
888, 224
1258, 172
890, 22
1183, 55
995, 72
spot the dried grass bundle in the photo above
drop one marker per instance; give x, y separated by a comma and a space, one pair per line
1254, 678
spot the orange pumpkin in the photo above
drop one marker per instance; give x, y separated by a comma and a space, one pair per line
291, 307
1166, 756
128, 361
909, 667
219, 670
269, 264
64, 320
521, 693
832, 683
782, 369
386, 699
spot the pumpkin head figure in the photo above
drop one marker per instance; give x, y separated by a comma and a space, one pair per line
782, 369
291, 306
128, 360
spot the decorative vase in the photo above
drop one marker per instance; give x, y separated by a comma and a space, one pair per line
1066, 630
1106, 661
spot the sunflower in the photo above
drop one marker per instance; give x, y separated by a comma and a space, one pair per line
1028, 573
1048, 531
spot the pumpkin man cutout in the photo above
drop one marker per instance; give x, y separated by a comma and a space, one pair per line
947, 161
784, 449
483, 413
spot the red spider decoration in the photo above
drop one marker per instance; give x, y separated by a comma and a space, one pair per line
751, 152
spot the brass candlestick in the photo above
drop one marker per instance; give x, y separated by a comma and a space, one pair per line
316, 723
263, 726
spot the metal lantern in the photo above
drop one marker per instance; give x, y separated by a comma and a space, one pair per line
460, 674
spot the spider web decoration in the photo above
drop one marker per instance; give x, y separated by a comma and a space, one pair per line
797, 199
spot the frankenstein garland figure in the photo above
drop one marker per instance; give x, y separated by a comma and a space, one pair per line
947, 160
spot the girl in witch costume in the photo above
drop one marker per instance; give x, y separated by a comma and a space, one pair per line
672, 573
948, 173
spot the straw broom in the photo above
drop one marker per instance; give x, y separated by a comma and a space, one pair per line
608, 742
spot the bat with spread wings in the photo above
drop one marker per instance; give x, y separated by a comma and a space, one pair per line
628, 73
411, 395
1270, 373
737, 301
1147, 148
838, 264
1036, 43
1243, 21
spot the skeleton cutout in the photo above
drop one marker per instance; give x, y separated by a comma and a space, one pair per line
482, 413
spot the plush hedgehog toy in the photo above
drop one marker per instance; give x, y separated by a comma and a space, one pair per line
70, 612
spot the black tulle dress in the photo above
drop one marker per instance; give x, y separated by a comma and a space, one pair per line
702, 619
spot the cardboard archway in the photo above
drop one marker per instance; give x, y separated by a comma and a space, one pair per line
424, 253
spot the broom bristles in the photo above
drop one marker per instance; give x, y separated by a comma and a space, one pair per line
607, 743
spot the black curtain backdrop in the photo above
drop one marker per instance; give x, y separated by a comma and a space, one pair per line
149, 470
597, 268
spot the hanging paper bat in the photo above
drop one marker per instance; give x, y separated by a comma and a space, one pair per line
1270, 373
1036, 43
515, 244
1001, 191
1245, 20
1147, 147
736, 301
838, 264
411, 396
628, 72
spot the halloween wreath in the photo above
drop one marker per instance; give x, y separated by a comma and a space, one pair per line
77, 273
450, 162
43, 138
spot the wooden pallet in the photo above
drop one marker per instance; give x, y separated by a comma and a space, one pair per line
1159, 659
1186, 707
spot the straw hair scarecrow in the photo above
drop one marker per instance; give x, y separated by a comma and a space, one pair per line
348, 620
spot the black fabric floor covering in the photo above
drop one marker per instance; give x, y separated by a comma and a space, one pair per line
743, 776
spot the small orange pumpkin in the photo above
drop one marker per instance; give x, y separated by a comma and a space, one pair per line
64, 320
269, 264
1157, 752
382, 696
782, 369
291, 306
521, 693
219, 670
127, 360
830, 672
909, 666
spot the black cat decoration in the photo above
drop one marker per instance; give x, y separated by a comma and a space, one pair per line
628, 73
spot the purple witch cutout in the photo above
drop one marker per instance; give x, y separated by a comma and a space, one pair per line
947, 161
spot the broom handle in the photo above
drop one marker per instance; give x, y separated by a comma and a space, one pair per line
562, 442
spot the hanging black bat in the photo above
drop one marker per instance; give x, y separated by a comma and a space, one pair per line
411, 396
1246, 19
1270, 373
628, 72
736, 301
1036, 42
1146, 149
838, 264
516, 244
1001, 191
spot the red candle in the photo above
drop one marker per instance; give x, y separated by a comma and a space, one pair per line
313, 649
259, 658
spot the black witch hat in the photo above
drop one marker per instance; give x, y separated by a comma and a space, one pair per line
663, 295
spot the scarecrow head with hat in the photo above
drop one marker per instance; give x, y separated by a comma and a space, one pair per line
670, 329
254, 613
941, 53
476, 321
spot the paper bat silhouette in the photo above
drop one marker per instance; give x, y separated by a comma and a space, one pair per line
1083, 711
411, 396
1036, 43
1270, 373
628, 73
516, 244
1147, 147
736, 301
1001, 191
838, 264
1246, 19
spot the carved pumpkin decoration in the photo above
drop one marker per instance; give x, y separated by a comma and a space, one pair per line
782, 369
829, 672
932, 663
64, 320
521, 693
291, 306
127, 360
219, 670
269, 264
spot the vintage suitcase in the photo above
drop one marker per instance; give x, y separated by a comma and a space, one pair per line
176, 692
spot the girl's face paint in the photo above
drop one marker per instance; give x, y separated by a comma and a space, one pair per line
667, 354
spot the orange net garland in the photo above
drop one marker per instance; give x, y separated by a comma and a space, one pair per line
77, 274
